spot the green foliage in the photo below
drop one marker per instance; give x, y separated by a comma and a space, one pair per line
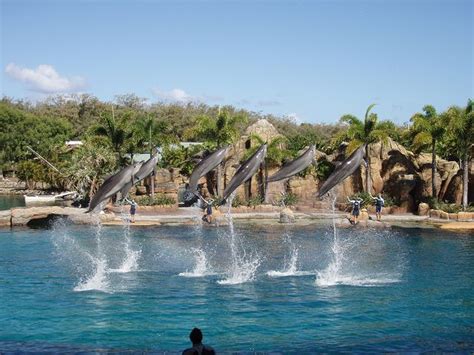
324, 169
364, 196
255, 201
88, 166
21, 129
289, 199
219, 130
237, 201
180, 157
436, 204
158, 200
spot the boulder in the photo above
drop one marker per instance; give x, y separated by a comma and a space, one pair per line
287, 216
26, 216
364, 215
5, 218
465, 216
423, 209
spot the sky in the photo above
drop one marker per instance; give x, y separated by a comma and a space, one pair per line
312, 61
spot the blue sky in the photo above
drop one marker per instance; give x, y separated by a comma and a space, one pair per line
313, 60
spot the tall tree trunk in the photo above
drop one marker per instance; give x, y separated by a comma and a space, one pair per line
219, 180
265, 183
152, 182
465, 180
433, 169
368, 179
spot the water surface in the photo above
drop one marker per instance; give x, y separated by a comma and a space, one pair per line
255, 288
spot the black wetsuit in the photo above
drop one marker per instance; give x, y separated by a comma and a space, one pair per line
199, 349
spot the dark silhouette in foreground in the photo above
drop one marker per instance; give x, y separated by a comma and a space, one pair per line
198, 347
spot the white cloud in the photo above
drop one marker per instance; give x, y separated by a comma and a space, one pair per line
174, 95
44, 79
294, 118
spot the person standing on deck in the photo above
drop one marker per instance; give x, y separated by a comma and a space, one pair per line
379, 203
133, 210
355, 209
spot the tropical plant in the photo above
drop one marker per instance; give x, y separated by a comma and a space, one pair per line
276, 153
117, 132
158, 200
461, 134
428, 127
365, 132
218, 131
88, 166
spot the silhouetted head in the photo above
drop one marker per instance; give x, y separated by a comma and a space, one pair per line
195, 336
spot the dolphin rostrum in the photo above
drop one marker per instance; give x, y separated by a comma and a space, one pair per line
295, 166
115, 183
205, 165
343, 170
246, 171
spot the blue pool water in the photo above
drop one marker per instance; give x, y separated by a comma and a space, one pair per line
255, 288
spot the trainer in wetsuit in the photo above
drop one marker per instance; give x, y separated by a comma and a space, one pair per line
379, 203
355, 209
198, 347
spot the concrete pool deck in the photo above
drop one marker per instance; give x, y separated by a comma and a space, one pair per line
187, 216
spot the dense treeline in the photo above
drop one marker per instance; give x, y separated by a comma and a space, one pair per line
129, 125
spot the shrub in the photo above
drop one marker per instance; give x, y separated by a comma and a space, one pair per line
289, 199
435, 204
158, 200
255, 201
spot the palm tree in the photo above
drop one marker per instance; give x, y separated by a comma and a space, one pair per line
461, 132
147, 132
116, 131
365, 132
276, 153
217, 132
428, 129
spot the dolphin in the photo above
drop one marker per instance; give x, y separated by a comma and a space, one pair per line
343, 170
146, 169
295, 166
205, 165
113, 184
245, 172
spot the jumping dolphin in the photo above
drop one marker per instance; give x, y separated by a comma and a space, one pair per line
206, 165
115, 183
246, 170
343, 170
295, 166
146, 169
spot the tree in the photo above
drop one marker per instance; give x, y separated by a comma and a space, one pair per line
116, 131
218, 131
428, 129
148, 132
461, 134
365, 132
88, 166
276, 153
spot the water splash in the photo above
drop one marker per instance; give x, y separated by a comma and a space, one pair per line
130, 262
243, 265
344, 269
98, 279
291, 264
201, 267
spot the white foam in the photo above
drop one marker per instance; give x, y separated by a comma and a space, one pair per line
98, 281
243, 267
243, 271
356, 280
201, 267
291, 268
